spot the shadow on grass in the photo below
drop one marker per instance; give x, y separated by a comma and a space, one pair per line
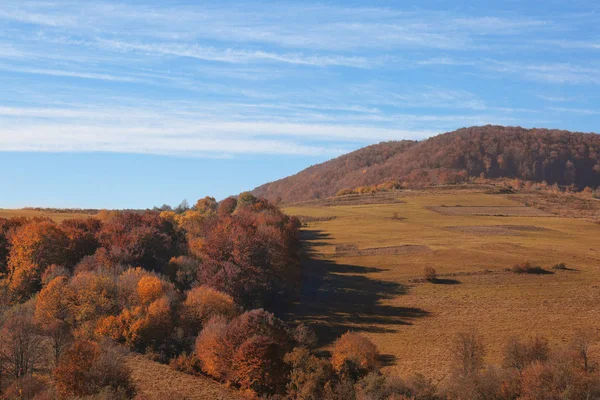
336, 298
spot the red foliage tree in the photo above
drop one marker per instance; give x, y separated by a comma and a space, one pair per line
140, 239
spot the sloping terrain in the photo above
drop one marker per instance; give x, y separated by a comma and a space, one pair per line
359, 276
553, 156
155, 381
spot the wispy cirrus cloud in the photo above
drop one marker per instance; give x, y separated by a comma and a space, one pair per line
266, 78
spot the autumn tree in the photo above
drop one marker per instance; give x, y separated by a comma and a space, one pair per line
468, 352
227, 206
246, 199
34, 248
21, 344
354, 354
146, 317
8, 227
54, 313
183, 271
207, 205
252, 255
203, 303
140, 240
96, 295
245, 350
82, 237
258, 365
87, 368
212, 350
309, 375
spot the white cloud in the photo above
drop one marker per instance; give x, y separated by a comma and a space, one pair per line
235, 56
549, 72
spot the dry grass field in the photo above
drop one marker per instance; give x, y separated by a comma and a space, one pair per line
365, 266
31, 213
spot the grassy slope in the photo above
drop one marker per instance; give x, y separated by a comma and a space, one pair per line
414, 323
158, 381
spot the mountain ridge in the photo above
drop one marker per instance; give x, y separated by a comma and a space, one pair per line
490, 151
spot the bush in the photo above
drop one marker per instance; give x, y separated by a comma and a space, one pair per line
429, 274
527, 268
354, 354
519, 355
27, 388
344, 192
187, 363
560, 266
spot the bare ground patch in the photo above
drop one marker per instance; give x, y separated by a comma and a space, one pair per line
499, 211
407, 249
500, 230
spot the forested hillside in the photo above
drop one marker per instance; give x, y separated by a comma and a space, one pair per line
554, 156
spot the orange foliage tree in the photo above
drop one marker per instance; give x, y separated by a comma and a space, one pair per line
87, 368
34, 248
203, 303
354, 354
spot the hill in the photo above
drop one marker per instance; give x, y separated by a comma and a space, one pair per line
555, 156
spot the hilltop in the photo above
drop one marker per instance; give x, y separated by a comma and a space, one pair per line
554, 156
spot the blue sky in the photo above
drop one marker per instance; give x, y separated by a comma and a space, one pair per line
130, 104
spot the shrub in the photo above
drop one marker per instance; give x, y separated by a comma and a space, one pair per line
429, 274
344, 192
354, 354
187, 363
560, 266
518, 355
527, 268
27, 388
